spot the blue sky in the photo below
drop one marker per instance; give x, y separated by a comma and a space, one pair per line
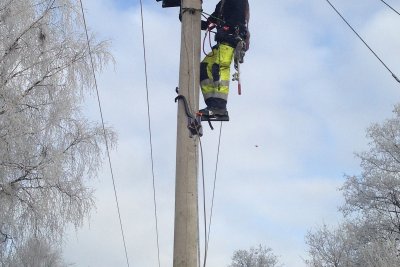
310, 90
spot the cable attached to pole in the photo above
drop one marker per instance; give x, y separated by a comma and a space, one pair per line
104, 132
373, 52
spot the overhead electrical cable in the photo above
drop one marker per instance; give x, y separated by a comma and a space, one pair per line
104, 132
150, 133
204, 202
390, 7
207, 232
373, 52
214, 186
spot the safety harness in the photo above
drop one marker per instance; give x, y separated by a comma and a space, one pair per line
236, 37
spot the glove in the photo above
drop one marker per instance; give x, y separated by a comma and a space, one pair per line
204, 25
207, 25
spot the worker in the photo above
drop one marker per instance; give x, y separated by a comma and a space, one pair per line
230, 19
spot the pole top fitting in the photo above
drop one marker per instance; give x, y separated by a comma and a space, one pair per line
191, 10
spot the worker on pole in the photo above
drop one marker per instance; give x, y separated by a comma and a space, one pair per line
230, 18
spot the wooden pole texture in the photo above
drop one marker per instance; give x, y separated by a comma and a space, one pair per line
186, 235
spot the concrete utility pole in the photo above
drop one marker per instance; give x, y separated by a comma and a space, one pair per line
186, 194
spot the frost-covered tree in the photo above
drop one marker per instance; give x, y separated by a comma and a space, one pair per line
351, 245
328, 248
375, 194
37, 253
371, 232
254, 257
47, 148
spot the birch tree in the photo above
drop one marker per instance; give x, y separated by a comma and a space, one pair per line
48, 150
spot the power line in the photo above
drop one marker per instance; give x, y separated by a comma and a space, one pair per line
373, 52
390, 7
215, 181
104, 132
150, 133
204, 204
207, 233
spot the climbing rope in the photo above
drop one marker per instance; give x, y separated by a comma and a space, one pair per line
150, 133
365, 43
104, 132
208, 33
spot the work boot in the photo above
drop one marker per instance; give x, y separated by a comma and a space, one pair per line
212, 111
213, 114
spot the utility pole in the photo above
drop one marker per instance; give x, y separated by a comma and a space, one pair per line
186, 235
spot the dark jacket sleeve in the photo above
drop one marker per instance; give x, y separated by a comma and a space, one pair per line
234, 12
